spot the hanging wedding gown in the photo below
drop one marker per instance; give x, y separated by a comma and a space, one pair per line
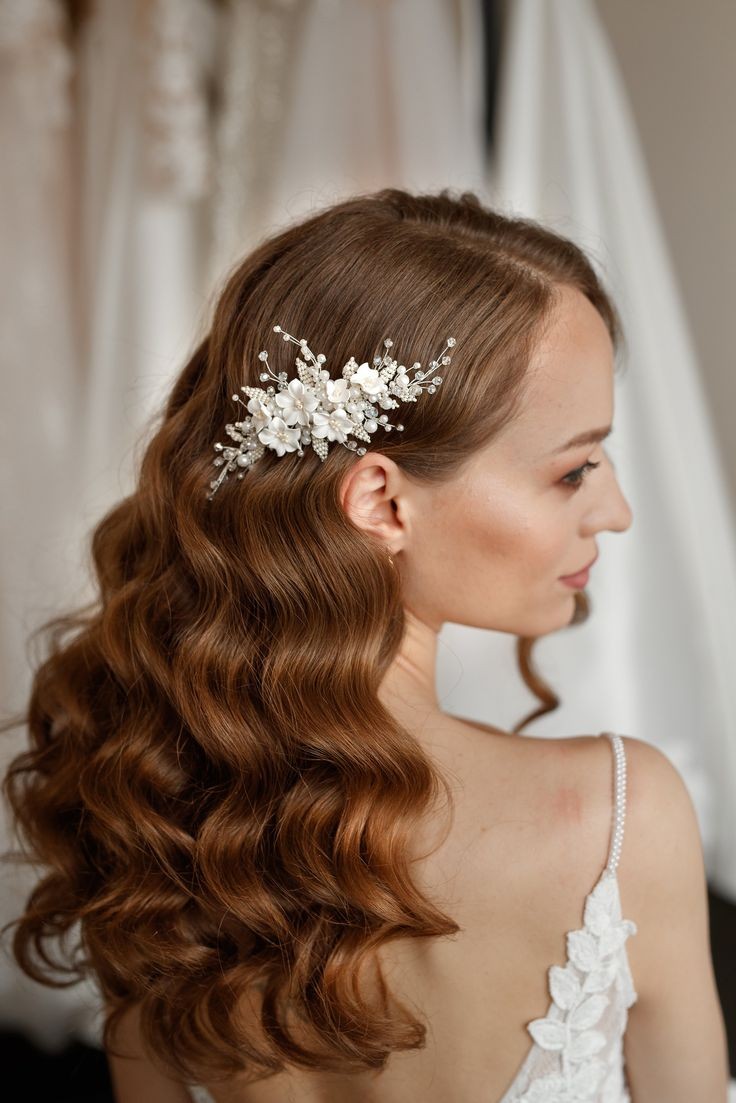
41, 386
104, 164
324, 99
200, 127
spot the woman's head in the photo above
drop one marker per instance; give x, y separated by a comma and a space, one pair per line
487, 547
225, 805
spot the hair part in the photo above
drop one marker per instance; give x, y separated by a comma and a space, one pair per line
222, 805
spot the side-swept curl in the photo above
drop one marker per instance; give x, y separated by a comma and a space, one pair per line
219, 799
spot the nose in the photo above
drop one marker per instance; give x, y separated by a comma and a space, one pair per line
622, 512
611, 510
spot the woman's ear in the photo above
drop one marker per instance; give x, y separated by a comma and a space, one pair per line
372, 496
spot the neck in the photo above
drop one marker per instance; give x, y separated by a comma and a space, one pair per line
409, 689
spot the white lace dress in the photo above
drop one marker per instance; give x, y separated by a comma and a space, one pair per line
576, 1052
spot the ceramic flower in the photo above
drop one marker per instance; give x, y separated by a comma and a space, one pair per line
296, 403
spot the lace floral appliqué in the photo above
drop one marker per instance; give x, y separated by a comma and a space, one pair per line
578, 990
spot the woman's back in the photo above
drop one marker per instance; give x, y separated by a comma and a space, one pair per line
538, 824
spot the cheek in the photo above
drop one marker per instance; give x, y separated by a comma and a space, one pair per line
525, 537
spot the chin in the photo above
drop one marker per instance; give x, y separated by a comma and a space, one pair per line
537, 624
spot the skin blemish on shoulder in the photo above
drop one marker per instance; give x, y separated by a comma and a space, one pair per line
567, 803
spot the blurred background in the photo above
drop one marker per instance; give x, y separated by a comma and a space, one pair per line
148, 144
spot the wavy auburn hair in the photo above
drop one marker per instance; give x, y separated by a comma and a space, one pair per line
219, 799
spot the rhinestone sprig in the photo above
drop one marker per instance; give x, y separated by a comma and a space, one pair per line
313, 409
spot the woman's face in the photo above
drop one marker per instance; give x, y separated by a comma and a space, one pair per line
489, 547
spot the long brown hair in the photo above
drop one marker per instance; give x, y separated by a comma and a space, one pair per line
217, 795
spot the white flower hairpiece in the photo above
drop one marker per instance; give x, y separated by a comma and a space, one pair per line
315, 409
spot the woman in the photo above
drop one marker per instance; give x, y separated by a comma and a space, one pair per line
296, 877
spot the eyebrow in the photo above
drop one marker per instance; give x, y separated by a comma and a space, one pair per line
591, 437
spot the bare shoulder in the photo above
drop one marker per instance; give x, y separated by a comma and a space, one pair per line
556, 796
562, 789
661, 843
662, 867
662, 856
569, 779
567, 786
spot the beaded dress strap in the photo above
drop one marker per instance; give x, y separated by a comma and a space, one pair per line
619, 802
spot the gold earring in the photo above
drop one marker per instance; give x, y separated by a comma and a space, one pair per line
391, 561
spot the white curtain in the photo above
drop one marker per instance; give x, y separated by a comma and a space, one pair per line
657, 658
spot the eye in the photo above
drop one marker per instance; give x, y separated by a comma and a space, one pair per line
575, 478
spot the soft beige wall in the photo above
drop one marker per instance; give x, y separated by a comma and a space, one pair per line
678, 61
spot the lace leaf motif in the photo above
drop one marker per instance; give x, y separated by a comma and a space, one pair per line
579, 991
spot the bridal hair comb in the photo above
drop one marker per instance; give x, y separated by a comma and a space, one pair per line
315, 409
